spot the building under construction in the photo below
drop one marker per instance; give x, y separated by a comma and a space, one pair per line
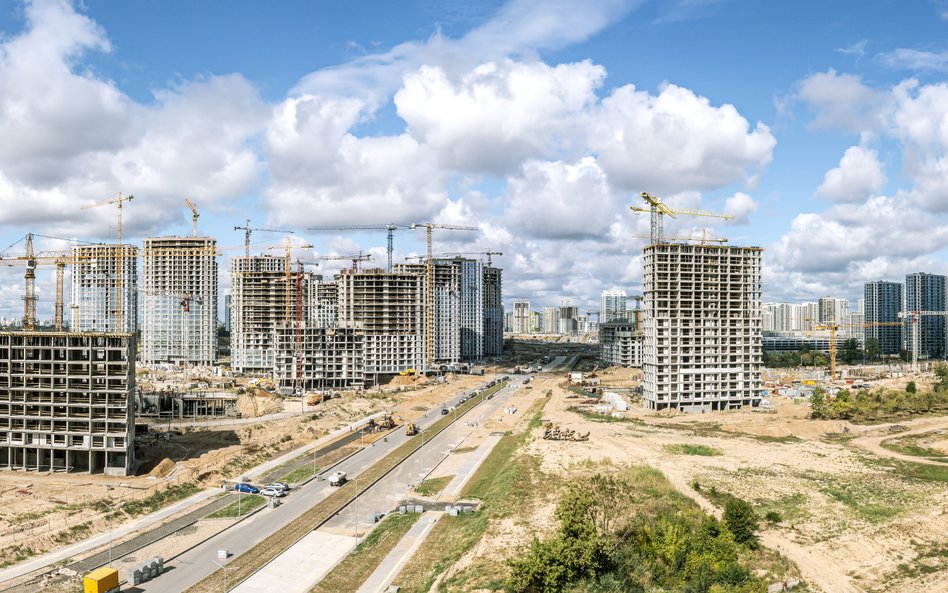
308, 357
702, 327
263, 296
620, 344
67, 401
388, 309
179, 300
104, 288
493, 311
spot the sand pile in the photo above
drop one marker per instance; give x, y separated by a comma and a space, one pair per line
164, 467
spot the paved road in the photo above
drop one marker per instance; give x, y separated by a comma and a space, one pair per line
194, 565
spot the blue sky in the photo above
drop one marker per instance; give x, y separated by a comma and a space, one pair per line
820, 126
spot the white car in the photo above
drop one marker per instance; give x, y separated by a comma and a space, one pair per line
279, 486
273, 492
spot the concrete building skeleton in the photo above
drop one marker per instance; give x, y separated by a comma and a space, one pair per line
620, 344
332, 358
175, 271
389, 309
95, 286
67, 401
702, 348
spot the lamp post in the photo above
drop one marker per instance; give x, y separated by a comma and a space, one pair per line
224, 569
111, 510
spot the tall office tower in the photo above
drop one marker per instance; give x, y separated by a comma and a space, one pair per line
612, 305
389, 309
97, 286
179, 300
67, 402
883, 305
702, 346
925, 292
493, 311
262, 298
521, 317
833, 310
568, 320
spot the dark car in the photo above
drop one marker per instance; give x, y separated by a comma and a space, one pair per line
444, 411
246, 488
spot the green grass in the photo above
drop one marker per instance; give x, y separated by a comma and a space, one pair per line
359, 565
433, 486
248, 502
910, 445
689, 449
594, 417
160, 499
861, 503
299, 474
921, 472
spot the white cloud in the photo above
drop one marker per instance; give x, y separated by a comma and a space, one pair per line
913, 59
674, 141
740, 206
858, 176
498, 114
855, 49
843, 101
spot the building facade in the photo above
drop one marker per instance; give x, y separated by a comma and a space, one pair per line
925, 292
104, 288
521, 317
612, 305
702, 328
620, 344
493, 311
883, 303
67, 402
309, 358
179, 300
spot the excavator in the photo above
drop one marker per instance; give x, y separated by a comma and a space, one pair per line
410, 429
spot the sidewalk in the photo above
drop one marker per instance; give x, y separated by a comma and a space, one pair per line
379, 580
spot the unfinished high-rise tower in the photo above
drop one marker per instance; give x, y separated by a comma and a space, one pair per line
702, 327
179, 300
104, 288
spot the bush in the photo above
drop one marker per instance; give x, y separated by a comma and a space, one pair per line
773, 517
741, 520
911, 388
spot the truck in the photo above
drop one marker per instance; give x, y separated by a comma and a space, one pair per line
337, 478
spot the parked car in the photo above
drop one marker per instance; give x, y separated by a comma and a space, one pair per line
246, 488
279, 486
268, 491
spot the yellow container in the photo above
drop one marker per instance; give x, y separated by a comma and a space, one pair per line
101, 580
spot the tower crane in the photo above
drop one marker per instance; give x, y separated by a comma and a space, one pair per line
247, 229
118, 201
390, 228
355, 259
657, 210
429, 227
702, 240
194, 217
288, 269
488, 253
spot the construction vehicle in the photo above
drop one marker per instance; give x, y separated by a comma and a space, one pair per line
410, 429
552, 432
408, 373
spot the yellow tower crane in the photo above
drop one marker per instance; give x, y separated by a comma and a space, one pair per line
118, 201
194, 217
430, 309
288, 268
657, 210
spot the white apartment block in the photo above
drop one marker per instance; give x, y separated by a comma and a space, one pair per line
99, 292
612, 305
521, 317
179, 300
620, 344
702, 328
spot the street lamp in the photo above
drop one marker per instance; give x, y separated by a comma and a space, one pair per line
223, 568
111, 510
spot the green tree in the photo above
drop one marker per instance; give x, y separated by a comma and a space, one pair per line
849, 350
941, 371
873, 350
818, 405
910, 387
741, 520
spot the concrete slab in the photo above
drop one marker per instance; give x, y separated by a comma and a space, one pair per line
471, 463
301, 566
379, 580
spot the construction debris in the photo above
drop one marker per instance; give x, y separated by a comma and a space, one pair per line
553, 432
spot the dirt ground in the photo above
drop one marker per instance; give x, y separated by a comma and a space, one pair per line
45, 511
850, 523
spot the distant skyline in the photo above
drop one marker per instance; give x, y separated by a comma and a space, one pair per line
821, 127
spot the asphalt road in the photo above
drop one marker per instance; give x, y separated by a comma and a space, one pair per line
192, 566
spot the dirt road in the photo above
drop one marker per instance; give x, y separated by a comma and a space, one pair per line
873, 443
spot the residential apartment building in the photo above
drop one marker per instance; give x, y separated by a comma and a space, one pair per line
521, 317
702, 328
925, 292
883, 303
612, 305
105, 288
620, 344
179, 300
493, 311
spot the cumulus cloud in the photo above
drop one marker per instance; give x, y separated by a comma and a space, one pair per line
740, 206
842, 101
500, 113
674, 141
913, 59
858, 176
